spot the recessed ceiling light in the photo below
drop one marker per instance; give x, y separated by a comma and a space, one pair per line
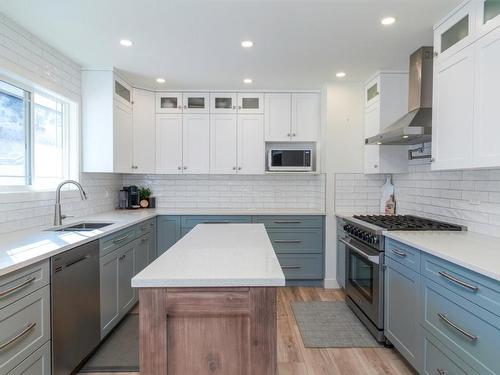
387, 21
247, 44
341, 74
160, 80
379, 143
126, 42
247, 80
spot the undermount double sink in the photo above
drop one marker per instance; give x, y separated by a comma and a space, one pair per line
80, 227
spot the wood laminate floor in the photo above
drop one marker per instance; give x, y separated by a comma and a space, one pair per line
294, 359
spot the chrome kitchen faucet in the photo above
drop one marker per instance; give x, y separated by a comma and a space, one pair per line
58, 218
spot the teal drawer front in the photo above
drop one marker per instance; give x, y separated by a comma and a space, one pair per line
479, 289
192, 221
301, 266
288, 221
112, 242
16, 285
468, 330
38, 363
403, 254
308, 241
440, 360
145, 227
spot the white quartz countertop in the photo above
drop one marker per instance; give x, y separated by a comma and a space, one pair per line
477, 252
216, 255
23, 248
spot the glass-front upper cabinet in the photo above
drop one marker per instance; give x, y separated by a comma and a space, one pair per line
196, 102
168, 102
455, 32
250, 102
123, 92
372, 91
223, 102
488, 15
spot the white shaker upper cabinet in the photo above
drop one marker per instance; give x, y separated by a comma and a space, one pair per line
251, 148
305, 117
196, 144
122, 139
487, 15
453, 102
196, 102
223, 137
486, 101
168, 102
278, 117
169, 144
223, 102
250, 103
144, 132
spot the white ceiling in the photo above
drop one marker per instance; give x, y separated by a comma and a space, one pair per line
195, 44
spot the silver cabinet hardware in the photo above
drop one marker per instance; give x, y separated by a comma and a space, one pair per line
118, 240
185, 167
372, 258
445, 319
458, 281
291, 267
375, 166
287, 241
18, 335
151, 225
179, 107
6, 292
436, 53
122, 257
239, 168
441, 372
399, 252
286, 222
288, 135
293, 134
144, 227
179, 168
234, 168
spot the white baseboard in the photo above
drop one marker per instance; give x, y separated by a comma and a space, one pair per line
331, 284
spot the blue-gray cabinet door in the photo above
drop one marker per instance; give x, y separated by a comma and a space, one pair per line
126, 294
38, 363
401, 310
141, 253
109, 291
168, 232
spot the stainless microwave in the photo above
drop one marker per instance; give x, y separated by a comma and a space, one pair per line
290, 160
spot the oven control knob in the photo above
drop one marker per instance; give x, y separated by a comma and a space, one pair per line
347, 227
374, 240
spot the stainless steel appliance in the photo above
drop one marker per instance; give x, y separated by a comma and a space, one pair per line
416, 126
293, 160
75, 306
132, 196
364, 259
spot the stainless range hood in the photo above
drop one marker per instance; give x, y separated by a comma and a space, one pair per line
416, 126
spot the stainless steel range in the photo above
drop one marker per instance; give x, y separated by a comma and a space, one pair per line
364, 260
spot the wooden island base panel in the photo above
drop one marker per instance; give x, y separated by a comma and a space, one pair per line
207, 331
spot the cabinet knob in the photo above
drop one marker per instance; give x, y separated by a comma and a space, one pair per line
179, 168
234, 107
436, 53
179, 106
239, 107
288, 134
234, 168
185, 167
375, 166
293, 134
433, 160
239, 168
185, 106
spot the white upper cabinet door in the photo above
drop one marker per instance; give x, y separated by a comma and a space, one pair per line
168, 102
223, 144
251, 147
144, 132
196, 144
372, 120
122, 91
372, 91
487, 15
278, 117
305, 117
487, 105
250, 102
223, 102
457, 32
453, 111
169, 144
372, 159
196, 102
122, 139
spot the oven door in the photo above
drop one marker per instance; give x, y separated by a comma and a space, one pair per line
364, 279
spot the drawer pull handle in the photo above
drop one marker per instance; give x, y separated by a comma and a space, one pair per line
217, 222
445, 319
121, 239
458, 281
18, 335
441, 372
26, 282
286, 222
399, 252
287, 241
291, 267
144, 227
122, 257
144, 240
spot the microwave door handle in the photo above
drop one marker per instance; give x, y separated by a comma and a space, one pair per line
372, 258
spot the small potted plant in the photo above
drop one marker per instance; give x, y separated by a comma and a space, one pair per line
144, 197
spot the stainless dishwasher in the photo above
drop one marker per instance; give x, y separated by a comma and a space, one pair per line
75, 306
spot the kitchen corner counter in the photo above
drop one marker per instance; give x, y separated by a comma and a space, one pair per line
476, 252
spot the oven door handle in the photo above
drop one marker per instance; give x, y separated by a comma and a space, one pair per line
372, 258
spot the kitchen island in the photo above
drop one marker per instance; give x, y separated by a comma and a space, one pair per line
208, 305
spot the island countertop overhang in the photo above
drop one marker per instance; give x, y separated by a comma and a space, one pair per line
216, 255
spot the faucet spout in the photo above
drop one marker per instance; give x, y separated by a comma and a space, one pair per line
58, 217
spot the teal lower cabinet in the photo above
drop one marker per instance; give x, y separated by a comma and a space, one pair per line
443, 318
38, 363
168, 232
401, 310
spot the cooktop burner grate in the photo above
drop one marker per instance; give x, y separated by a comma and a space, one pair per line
407, 222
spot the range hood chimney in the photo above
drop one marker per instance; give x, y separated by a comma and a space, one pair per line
416, 126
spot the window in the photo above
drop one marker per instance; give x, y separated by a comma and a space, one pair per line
36, 136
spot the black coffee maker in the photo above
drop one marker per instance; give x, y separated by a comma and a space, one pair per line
132, 196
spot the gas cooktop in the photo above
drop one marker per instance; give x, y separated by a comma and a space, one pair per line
407, 223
